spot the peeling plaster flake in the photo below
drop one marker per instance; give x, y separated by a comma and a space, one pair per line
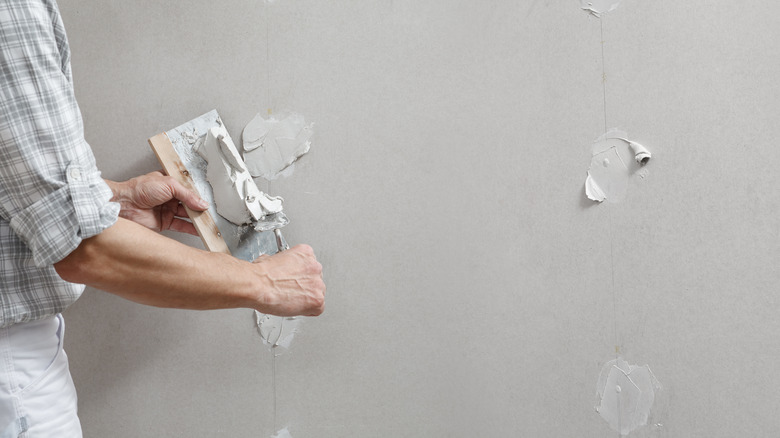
277, 330
598, 7
272, 145
625, 395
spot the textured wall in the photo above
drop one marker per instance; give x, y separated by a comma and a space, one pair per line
472, 289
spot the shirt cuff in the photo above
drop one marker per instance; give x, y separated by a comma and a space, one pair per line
55, 225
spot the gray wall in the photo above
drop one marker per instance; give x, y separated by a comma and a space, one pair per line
472, 290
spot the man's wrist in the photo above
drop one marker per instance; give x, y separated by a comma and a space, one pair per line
119, 189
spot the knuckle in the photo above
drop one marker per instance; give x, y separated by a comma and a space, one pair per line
319, 306
171, 182
306, 249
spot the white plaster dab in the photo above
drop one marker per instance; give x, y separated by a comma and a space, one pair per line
284, 433
190, 136
625, 395
614, 159
598, 7
274, 144
277, 331
235, 193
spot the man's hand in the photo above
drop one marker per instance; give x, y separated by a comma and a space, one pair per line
155, 201
293, 283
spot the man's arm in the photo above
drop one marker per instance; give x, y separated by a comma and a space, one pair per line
138, 264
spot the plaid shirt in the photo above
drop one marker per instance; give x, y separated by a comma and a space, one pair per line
51, 192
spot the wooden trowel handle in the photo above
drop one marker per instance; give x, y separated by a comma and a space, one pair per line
173, 166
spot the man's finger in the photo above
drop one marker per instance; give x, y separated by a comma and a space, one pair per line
187, 197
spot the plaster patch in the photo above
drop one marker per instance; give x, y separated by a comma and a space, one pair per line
625, 394
284, 433
614, 159
235, 193
274, 144
277, 330
598, 7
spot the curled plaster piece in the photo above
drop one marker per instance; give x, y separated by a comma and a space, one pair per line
614, 159
274, 144
625, 394
641, 154
277, 330
598, 7
235, 193
284, 433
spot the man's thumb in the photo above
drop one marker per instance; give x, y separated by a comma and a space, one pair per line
188, 197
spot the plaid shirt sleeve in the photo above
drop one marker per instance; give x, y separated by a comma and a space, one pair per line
51, 191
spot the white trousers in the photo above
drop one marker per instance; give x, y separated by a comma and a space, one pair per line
37, 396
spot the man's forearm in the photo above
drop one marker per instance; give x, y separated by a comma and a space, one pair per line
140, 265
143, 266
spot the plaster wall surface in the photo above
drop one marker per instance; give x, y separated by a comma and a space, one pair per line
473, 290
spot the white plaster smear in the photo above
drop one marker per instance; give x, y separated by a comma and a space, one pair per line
284, 433
277, 331
274, 144
235, 193
625, 394
614, 159
598, 7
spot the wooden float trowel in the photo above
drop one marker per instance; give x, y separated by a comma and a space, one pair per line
176, 151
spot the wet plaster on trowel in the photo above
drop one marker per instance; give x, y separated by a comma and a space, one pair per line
625, 394
598, 7
272, 145
235, 193
614, 159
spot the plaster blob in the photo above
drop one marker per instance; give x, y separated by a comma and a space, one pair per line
235, 193
274, 144
641, 154
284, 433
625, 394
614, 159
277, 330
598, 7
